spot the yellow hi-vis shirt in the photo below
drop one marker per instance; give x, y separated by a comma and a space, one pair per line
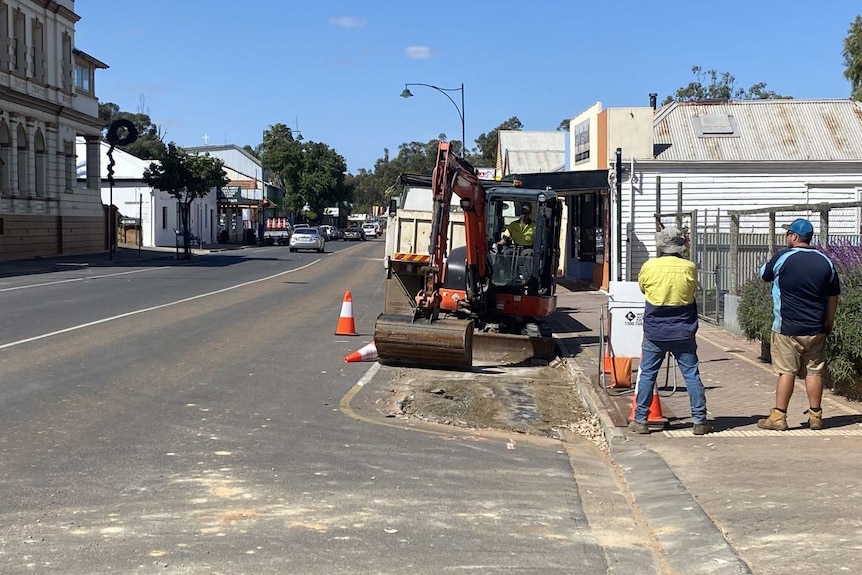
669, 284
521, 234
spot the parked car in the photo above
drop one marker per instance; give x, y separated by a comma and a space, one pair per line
354, 233
328, 232
307, 239
370, 230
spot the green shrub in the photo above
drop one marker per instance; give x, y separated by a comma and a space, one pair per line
844, 345
755, 310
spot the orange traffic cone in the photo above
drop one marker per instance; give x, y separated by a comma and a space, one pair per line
654, 416
346, 326
366, 353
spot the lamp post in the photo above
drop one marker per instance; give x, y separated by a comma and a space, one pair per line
445, 91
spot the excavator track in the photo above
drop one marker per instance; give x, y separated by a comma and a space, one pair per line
441, 344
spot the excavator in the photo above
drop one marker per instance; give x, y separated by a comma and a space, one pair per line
488, 288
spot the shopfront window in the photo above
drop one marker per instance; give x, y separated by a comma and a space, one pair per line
588, 233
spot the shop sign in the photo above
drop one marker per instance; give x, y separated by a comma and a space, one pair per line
582, 142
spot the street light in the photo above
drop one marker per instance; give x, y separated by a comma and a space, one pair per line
445, 91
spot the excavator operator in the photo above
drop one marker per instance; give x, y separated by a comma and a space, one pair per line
520, 233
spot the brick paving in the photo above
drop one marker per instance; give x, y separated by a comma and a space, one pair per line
740, 389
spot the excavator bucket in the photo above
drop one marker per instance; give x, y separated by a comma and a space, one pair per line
442, 344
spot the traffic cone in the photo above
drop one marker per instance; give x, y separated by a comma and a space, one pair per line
655, 417
346, 326
366, 353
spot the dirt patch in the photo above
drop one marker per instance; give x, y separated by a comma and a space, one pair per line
535, 400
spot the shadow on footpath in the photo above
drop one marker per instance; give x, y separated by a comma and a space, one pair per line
726, 423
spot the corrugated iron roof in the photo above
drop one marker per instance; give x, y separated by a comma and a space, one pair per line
759, 130
520, 151
529, 162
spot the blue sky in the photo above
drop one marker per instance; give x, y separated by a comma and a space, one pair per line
231, 69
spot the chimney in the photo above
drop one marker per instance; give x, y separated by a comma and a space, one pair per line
652, 100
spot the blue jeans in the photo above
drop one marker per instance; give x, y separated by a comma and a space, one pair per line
685, 352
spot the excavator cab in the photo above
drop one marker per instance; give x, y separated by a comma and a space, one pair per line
521, 265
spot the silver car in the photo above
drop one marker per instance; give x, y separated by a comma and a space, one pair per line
307, 239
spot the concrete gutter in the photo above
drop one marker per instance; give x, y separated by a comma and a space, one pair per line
694, 545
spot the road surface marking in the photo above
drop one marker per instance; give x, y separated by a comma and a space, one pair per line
153, 308
81, 279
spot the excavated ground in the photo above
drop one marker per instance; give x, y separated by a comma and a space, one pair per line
533, 399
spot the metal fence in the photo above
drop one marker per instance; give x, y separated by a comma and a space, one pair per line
711, 252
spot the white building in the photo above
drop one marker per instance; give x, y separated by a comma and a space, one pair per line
744, 155
47, 100
157, 211
708, 158
238, 204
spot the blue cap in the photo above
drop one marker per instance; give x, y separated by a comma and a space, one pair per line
800, 226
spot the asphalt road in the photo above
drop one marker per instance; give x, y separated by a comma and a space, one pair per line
171, 417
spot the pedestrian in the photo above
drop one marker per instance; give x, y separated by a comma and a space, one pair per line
805, 292
670, 323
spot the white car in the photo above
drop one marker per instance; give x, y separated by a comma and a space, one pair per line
307, 239
370, 230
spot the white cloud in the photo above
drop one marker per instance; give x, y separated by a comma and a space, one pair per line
348, 22
418, 52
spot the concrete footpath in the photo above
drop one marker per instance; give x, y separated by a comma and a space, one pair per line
742, 499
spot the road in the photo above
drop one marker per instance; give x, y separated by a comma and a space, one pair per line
178, 417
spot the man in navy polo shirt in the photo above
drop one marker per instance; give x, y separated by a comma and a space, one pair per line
805, 292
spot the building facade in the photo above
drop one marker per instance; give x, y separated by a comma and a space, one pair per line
147, 214
692, 162
47, 100
238, 210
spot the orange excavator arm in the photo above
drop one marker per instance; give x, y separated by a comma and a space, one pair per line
452, 175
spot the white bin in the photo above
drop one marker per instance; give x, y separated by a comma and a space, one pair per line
626, 306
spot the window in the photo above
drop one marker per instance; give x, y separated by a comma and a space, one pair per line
70, 167
41, 165
22, 160
66, 66
19, 48
38, 51
5, 158
4, 37
82, 77
164, 217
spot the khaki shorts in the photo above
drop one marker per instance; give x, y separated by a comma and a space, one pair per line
799, 354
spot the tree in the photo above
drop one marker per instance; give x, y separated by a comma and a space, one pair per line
185, 177
853, 58
720, 87
564, 125
487, 144
365, 189
321, 178
281, 154
149, 144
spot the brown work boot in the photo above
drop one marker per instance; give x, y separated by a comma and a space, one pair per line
702, 428
776, 421
815, 419
639, 428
